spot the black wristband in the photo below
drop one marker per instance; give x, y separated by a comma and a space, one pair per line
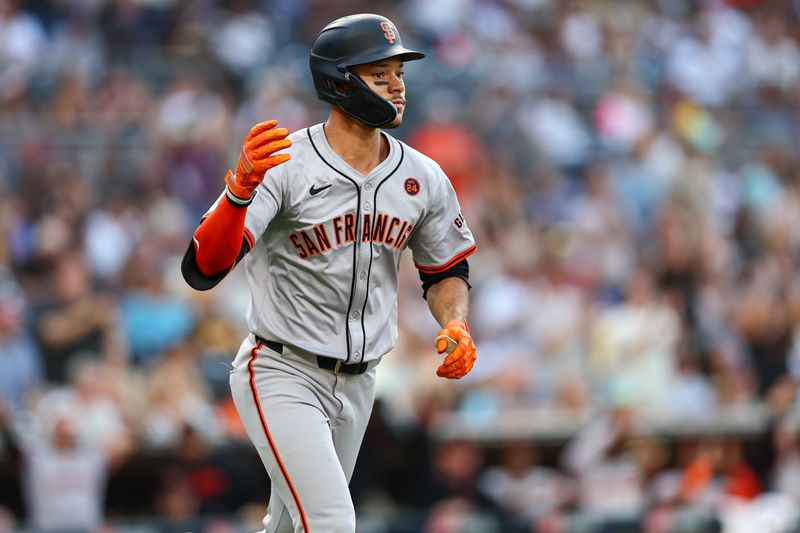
239, 202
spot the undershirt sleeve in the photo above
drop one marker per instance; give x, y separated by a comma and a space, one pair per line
218, 244
459, 270
195, 278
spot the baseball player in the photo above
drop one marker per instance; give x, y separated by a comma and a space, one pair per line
320, 219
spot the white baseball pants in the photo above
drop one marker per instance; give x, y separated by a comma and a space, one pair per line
307, 424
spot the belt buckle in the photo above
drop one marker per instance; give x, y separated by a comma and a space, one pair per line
338, 366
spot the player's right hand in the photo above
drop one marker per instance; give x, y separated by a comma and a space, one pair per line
258, 156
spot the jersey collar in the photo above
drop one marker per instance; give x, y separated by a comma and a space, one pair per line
340, 164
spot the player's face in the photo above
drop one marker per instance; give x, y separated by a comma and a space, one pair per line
385, 77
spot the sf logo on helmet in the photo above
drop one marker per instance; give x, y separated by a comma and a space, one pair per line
388, 31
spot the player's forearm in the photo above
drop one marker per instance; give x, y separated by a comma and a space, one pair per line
218, 239
449, 300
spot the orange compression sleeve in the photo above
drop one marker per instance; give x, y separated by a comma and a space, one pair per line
218, 238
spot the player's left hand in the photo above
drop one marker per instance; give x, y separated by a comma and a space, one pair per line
456, 340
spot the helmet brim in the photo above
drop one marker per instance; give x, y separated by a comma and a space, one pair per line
404, 54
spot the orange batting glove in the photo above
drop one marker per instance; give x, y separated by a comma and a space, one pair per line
457, 342
256, 158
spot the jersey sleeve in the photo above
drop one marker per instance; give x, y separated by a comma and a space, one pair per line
442, 238
267, 203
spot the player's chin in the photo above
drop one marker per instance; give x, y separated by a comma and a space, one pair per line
398, 120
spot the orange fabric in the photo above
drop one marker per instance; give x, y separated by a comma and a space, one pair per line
456, 149
461, 360
743, 482
218, 238
697, 475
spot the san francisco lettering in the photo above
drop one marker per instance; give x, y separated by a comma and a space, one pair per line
391, 231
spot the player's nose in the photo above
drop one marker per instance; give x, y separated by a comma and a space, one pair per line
396, 84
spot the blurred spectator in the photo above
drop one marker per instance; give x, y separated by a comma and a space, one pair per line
642, 181
773, 58
452, 492
154, 319
766, 313
98, 404
603, 254
279, 94
456, 516
20, 360
191, 124
110, 234
7, 520
526, 489
634, 365
610, 478
664, 492
555, 129
177, 396
501, 311
77, 44
446, 139
130, 24
769, 512
219, 483
214, 338
64, 476
555, 331
22, 44
784, 476
244, 38
706, 60
623, 117
691, 393
719, 466
718, 479
75, 318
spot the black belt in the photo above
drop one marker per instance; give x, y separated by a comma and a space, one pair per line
337, 366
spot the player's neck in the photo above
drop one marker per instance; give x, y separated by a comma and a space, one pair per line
361, 146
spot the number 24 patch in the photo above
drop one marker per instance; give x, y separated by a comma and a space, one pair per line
412, 186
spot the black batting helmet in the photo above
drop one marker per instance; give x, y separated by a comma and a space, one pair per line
349, 41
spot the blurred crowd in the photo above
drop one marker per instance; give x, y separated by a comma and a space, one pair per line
629, 169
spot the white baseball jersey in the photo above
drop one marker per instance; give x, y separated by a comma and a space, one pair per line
65, 489
326, 244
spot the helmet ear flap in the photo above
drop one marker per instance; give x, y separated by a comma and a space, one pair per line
363, 104
339, 88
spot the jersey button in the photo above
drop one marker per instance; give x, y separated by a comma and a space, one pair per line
367, 206
356, 314
367, 186
363, 275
